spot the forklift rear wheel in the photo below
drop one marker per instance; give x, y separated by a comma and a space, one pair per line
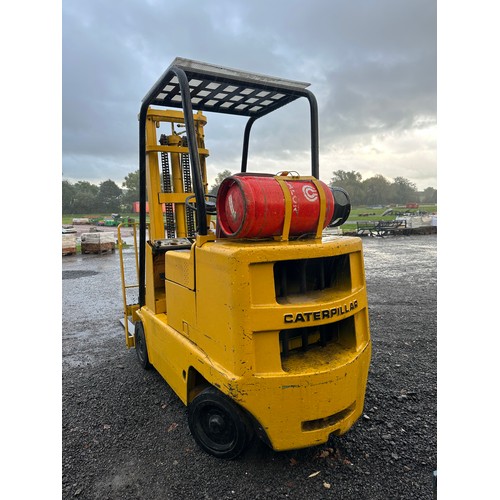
218, 425
140, 346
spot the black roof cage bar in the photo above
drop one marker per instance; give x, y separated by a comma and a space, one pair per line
187, 84
314, 136
246, 140
191, 138
225, 90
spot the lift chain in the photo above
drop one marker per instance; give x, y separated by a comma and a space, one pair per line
167, 188
186, 170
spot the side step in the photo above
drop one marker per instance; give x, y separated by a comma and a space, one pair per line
130, 327
129, 331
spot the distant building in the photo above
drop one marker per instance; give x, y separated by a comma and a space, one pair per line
135, 207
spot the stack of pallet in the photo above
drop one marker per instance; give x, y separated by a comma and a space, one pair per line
98, 242
68, 244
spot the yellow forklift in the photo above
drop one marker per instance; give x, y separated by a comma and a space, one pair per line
257, 321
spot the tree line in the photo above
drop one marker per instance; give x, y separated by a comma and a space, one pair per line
378, 190
83, 197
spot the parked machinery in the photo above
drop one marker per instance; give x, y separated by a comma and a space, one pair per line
256, 321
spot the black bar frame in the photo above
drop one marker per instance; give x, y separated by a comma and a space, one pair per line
151, 98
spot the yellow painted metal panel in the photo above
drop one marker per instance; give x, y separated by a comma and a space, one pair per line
282, 405
180, 266
245, 341
174, 116
155, 290
300, 399
181, 308
297, 361
173, 197
156, 148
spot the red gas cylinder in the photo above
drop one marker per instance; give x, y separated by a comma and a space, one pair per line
253, 206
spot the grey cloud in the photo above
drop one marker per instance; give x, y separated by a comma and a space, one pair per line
372, 66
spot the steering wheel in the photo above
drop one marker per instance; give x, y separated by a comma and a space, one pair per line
211, 207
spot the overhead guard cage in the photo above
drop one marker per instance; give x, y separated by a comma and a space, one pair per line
191, 84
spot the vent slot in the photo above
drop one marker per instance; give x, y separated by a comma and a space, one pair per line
322, 423
301, 276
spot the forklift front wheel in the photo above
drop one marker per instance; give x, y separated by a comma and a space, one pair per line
219, 426
140, 346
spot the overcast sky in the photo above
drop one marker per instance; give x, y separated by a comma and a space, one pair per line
371, 65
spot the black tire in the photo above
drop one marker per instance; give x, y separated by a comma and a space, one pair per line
218, 425
140, 346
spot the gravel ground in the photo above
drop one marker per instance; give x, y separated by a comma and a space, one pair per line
125, 433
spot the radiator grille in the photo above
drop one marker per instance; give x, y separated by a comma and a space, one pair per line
296, 340
301, 276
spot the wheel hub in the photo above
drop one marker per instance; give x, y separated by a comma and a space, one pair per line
216, 424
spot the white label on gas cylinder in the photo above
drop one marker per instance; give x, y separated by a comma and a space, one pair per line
310, 193
231, 207
294, 197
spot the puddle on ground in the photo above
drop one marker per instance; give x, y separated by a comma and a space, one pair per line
71, 275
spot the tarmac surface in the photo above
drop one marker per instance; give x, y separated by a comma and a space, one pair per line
125, 433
